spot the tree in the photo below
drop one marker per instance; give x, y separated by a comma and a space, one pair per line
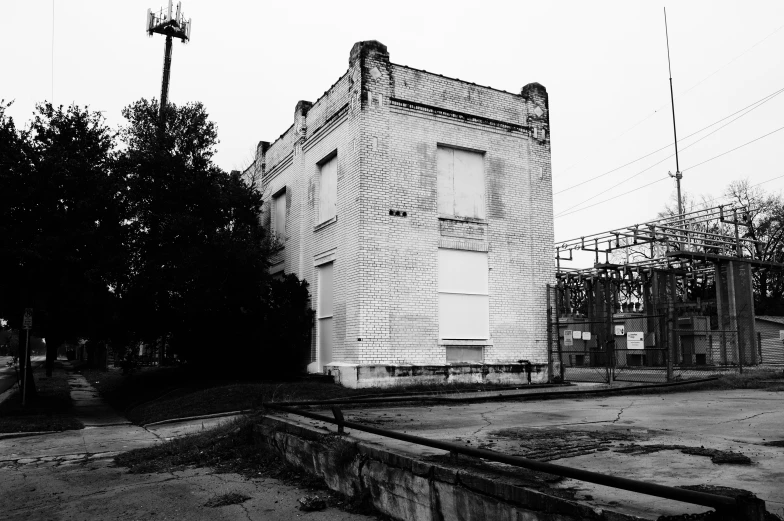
62, 224
198, 279
764, 223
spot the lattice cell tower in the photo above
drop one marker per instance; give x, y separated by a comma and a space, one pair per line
172, 26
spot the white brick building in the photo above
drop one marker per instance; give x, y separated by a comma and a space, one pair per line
419, 209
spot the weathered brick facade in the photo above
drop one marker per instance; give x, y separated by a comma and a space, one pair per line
385, 121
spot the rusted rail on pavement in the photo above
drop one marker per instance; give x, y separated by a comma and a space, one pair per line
740, 507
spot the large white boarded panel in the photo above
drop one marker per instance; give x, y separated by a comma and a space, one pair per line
325, 290
325, 335
463, 316
328, 192
461, 271
280, 215
324, 313
469, 184
463, 301
446, 180
461, 182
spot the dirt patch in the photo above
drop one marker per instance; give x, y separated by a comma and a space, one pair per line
230, 498
717, 456
553, 444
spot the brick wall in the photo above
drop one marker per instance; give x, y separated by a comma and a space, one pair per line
385, 122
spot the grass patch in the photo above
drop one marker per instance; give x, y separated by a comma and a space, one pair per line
49, 410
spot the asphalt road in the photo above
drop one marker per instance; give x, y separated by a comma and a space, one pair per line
8, 374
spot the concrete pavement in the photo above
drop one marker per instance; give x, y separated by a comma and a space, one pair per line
646, 437
70, 475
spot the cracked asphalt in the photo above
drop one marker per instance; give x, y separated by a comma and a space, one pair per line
605, 435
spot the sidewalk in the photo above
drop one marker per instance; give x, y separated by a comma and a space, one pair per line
106, 433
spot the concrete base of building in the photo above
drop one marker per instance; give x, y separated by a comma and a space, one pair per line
358, 376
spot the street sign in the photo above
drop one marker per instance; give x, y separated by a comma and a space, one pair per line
27, 321
635, 340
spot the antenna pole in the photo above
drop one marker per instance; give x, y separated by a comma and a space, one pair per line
165, 86
678, 174
171, 26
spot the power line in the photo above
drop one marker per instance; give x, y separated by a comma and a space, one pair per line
711, 202
571, 211
734, 149
610, 198
671, 155
677, 97
761, 100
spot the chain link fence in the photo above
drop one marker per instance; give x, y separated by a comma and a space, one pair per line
661, 344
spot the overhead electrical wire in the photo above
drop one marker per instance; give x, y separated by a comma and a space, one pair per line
571, 210
703, 80
671, 155
759, 101
734, 149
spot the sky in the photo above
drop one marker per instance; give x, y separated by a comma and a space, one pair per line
604, 65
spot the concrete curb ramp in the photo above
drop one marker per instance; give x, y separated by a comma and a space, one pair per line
410, 489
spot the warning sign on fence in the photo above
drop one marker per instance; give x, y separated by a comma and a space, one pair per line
568, 340
635, 340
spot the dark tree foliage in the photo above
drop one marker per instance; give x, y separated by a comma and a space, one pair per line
149, 242
61, 224
287, 327
198, 274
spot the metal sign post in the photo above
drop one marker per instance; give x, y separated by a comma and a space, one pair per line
27, 324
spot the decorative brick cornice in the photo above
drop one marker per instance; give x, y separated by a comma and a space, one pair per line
461, 116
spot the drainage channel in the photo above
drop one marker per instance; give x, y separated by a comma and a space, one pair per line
740, 507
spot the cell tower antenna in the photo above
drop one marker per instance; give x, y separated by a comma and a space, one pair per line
678, 175
171, 26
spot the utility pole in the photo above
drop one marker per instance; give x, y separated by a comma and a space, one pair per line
171, 26
678, 174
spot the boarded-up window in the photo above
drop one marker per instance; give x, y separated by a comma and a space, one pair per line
328, 192
279, 207
461, 183
324, 312
463, 301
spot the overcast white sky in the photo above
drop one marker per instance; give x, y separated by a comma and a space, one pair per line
604, 65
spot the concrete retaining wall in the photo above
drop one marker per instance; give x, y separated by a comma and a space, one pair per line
413, 490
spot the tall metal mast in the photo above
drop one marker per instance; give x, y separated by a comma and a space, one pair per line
678, 174
170, 26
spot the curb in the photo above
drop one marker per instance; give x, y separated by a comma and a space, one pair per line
13, 435
189, 418
543, 395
